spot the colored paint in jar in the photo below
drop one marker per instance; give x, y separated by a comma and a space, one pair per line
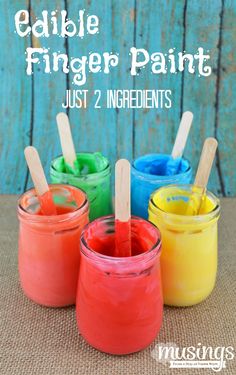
120, 298
189, 244
152, 171
92, 174
49, 250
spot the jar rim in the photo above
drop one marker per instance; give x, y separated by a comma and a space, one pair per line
155, 177
93, 175
205, 216
92, 254
52, 218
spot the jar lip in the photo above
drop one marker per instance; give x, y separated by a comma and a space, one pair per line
154, 177
90, 253
88, 175
213, 213
52, 218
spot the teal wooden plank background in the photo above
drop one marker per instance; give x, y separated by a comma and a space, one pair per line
29, 104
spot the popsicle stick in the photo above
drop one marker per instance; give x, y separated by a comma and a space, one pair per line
205, 163
122, 209
182, 135
67, 144
202, 176
39, 181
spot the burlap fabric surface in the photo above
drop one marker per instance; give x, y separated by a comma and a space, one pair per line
43, 341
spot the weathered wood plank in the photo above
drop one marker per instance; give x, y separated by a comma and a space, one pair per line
123, 27
199, 93
106, 130
15, 104
49, 92
156, 26
159, 27
226, 108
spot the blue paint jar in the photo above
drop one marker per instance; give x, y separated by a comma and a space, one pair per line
152, 171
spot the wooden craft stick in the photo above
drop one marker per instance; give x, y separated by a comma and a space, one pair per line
205, 163
122, 209
67, 144
39, 181
122, 190
202, 176
182, 135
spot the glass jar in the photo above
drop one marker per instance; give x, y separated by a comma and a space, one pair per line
95, 180
189, 243
49, 250
148, 174
120, 299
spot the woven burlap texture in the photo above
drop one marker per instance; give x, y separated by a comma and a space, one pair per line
43, 341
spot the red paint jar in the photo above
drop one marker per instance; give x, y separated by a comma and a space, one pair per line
49, 246
120, 299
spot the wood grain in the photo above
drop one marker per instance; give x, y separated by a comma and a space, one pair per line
29, 104
225, 123
15, 103
155, 129
199, 93
49, 93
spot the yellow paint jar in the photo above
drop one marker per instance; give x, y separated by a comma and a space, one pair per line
189, 244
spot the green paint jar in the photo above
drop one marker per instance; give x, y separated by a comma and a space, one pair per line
92, 174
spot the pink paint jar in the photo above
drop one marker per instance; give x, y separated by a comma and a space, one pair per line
49, 246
